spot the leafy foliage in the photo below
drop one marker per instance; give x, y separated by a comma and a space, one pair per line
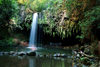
89, 21
78, 17
57, 18
51, 18
39, 5
7, 41
8, 10
35, 5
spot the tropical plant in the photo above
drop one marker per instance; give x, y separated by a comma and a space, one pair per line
90, 22
57, 18
34, 5
62, 18
8, 9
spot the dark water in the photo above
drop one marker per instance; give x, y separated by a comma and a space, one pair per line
40, 61
15, 61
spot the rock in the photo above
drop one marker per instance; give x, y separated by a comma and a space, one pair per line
78, 55
57, 55
47, 55
15, 54
11, 52
6, 53
41, 55
21, 53
44, 55
31, 53
74, 52
63, 55
1, 53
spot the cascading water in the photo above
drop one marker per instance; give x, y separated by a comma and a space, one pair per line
32, 41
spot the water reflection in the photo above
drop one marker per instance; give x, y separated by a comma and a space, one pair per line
8, 61
49, 62
31, 62
12, 61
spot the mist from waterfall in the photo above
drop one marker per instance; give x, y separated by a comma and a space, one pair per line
32, 41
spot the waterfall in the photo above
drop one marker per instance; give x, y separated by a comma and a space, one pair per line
32, 41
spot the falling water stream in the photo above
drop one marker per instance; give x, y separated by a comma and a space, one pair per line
45, 56
32, 41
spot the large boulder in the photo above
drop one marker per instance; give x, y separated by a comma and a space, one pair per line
21, 53
31, 53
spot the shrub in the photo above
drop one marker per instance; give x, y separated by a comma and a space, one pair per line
8, 9
90, 23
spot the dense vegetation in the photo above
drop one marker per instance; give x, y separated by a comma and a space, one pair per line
8, 12
62, 18
68, 22
65, 18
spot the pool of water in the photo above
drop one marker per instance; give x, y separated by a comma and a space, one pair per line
15, 61
40, 61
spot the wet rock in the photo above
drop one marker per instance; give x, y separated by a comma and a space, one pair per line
47, 55
78, 55
75, 52
31, 53
21, 53
44, 55
1, 53
41, 55
11, 52
6, 53
15, 54
63, 55
57, 55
